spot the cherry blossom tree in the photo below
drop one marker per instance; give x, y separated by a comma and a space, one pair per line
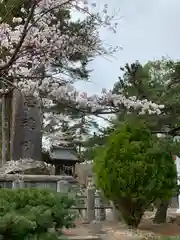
32, 40
24, 71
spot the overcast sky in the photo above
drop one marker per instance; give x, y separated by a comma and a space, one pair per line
147, 30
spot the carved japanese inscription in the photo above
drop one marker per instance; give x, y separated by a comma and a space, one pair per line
30, 102
28, 122
26, 135
27, 145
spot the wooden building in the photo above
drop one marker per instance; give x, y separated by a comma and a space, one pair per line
64, 160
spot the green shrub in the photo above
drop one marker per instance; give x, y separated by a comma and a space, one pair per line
169, 238
134, 169
31, 213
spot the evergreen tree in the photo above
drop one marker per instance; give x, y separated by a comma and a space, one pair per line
157, 82
134, 169
154, 81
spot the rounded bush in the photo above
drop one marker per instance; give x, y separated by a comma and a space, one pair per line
32, 213
134, 169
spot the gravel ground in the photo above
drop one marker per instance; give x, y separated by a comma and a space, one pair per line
118, 231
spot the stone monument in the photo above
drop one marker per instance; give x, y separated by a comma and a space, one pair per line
26, 135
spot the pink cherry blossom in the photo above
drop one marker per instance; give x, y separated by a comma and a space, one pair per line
32, 43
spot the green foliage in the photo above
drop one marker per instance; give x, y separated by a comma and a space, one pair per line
150, 81
30, 213
169, 238
157, 81
134, 169
94, 142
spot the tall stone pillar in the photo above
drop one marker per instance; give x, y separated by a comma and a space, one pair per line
177, 162
90, 204
26, 134
100, 212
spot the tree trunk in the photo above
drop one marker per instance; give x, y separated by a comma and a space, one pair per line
8, 123
161, 213
130, 212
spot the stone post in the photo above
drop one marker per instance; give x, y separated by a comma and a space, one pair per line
100, 212
114, 212
177, 162
21, 184
90, 204
62, 186
15, 185
18, 184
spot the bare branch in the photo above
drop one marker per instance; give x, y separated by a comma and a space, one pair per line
7, 82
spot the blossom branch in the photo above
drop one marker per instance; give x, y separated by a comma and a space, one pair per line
10, 86
50, 10
23, 36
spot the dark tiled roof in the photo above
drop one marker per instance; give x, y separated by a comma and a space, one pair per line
63, 154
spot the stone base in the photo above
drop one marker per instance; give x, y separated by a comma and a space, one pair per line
84, 237
178, 211
96, 227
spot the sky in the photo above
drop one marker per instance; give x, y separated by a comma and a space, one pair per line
147, 30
